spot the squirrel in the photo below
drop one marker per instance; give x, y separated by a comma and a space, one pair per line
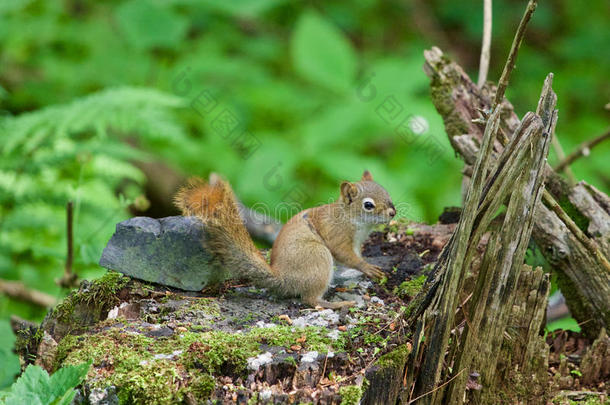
303, 252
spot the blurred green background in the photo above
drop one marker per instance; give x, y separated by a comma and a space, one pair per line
111, 104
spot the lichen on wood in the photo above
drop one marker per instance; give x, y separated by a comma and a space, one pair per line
477, 326
580, 259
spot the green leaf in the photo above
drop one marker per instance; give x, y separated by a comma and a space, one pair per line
36, 387
8, 359
33, 385
146, 24
65, 377
567, 323
322, 54
238, 8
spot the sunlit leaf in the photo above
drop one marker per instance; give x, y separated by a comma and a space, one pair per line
322, 54
148, 24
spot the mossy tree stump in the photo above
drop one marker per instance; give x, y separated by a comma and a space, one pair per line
468, 341
573, 234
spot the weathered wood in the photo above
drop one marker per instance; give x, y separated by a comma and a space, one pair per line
385, 378
581, 265
449, 276
514, 178
595, 364
496, 289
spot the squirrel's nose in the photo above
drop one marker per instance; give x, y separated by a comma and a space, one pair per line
392, 212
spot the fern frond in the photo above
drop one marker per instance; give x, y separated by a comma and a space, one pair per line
124, 110
77, 151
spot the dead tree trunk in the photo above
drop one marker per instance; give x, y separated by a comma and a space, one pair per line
572, 224
487, 341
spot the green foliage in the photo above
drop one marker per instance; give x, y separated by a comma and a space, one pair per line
322, 54
350, 394
410, 288
8, 359
147, 24
295, 87
568, 323
35, 386
73, 152
325, 88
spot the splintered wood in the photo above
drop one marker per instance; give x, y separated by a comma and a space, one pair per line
464, 345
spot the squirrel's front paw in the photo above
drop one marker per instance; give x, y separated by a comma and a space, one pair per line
373, 271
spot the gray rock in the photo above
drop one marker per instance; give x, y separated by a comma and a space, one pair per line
166, 251
106, 396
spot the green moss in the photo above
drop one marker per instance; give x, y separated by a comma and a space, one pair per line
100, 295
411, 287
315, 337
441, 97
592, 399
134, 363
350, 394
216, 350
156, 382
579, 219
254, 399
126, 360
26, 344
123, 350
64, 348
207, 306
395, 358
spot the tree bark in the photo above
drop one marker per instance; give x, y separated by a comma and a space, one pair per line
581, 264
457, 340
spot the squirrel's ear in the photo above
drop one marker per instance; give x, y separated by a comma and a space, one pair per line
366, 176
348, 191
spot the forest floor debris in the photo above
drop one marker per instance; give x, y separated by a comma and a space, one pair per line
236, 343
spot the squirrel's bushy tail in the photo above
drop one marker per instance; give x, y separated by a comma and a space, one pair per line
226, 236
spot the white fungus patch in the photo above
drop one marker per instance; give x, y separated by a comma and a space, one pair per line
319, 318
254, 363
309, 357
333, 334
263, 324
265, 395
163, 356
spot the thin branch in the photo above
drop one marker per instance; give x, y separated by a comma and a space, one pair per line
512, 56
582, 150
554, 206
486, 43
17, 289
437, 388
69, 226
69, 279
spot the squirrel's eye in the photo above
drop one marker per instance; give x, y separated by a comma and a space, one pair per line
368, 204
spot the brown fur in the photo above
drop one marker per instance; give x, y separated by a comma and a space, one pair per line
303, 252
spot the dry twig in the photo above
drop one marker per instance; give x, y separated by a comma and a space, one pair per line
69, 278
17, 289
486, 43
582, 150
512, 56
554, 206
